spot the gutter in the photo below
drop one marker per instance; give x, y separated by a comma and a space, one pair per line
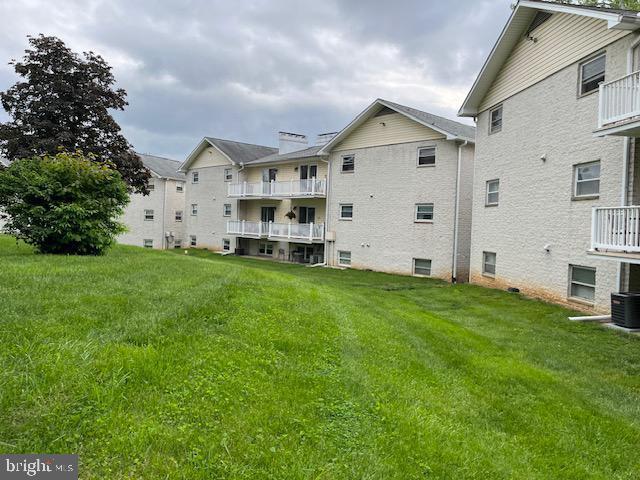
456, 215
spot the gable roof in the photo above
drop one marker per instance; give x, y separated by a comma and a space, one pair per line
523, 14
235, 152
451, 129
300, 154
162, 167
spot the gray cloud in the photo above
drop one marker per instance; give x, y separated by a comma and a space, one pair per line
246, 69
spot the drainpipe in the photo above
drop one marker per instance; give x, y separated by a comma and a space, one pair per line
165, 244
326, 212
454, 260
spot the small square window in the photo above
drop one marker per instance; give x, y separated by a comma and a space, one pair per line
426, 156
424, 212
192, 240
228, 174
586, 180
348, 163
226, 210
151, 186
422, 267
582, 283
179, 187
489, 263
492, 193
147, 243
148, 215
177, 243
265, 249
178, 215
592, 74
344, 258
226, 244
194, 209
495, 120
346, 211
195, 177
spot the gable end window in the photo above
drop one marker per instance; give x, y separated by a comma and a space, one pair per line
195, 177
493, 193
592, 74
586, 180
426, 156
582, 283
424, 212
348, 163
495, 120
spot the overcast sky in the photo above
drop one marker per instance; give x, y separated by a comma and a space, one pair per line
244, 69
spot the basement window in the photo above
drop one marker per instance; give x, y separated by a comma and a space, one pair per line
489, 263
592, 74
344, 258
265, 249
226, 244
422, 267
177, 243
193, 241
147, 243
582, 283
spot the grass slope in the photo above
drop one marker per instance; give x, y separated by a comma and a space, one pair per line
160, 365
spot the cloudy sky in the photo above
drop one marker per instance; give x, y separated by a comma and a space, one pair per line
244, 69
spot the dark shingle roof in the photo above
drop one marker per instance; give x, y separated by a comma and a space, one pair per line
163, 167
452, 127
276, 157
241, 152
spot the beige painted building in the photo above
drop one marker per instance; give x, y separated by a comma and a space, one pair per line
157, 220
556, 163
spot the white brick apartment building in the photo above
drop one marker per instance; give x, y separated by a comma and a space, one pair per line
157, 220
556, 105
384, 194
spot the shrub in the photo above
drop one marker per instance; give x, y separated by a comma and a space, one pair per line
63, 204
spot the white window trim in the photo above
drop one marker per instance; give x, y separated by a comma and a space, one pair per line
572, 282
421, 274
421, 220
230, 170
193, 240
340, 261
180, 187
342, 170
224, 210
194, 209
435, 154
175, 216
266, 247
487, 203
348, 219
484, 263
144, 242
152, 215
195, 177
226, 241
582, 64
494, 109
576, 181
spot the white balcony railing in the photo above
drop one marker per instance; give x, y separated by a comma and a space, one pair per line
616, 229
311, 187
619, 100
307, 232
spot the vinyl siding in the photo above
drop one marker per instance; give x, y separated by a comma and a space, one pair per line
286, 171
562, 40
210, 157
396, 129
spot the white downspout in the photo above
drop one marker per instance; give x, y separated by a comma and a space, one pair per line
165, 243
456, 214
326, 212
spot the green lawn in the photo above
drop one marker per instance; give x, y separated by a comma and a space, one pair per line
164, 365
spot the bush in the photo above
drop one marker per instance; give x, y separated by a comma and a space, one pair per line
63, 204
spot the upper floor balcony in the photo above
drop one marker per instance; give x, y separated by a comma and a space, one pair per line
615, 233
289, 232
619, 107
302, 188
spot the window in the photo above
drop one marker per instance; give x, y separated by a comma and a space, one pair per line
226, 211
177, 243
426, 156
495, 121
265, 249
424, 212
592, 74
178, 215
587, 179
194, 209
148, 215
488, 263
151, 186
147, 243
348, 163
344, 258
582, 283
195, 177
226, 244
493, 193
346, 211
179, 187
421, 267
269, 174
192, 240
228, 175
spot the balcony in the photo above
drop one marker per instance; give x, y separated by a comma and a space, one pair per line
291, 232
308, 188
619, 107
615, 233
